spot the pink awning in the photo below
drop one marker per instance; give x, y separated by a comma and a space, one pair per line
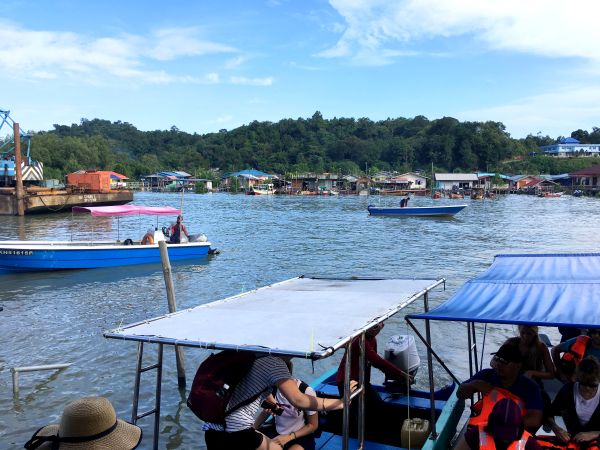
127, 210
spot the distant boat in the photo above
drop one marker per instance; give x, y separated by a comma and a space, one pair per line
550, 194
261, 189
416, 211
30, 256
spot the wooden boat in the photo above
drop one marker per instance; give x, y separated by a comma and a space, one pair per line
415, 211
550, 194
29, 256
358, 304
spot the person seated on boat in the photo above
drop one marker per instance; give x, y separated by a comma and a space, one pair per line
578, 403
90, 423
505, 430
148, 238
504, 380
573, 351
267, 372
567, 333
380, 416
536, 363
177, 229
294, 429
402, 202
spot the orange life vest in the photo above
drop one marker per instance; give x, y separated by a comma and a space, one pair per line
553, 443
574, 355
486, 441
483, 408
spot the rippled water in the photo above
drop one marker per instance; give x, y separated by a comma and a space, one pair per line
60, 317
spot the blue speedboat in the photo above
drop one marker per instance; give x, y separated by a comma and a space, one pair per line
416, 211
29, 256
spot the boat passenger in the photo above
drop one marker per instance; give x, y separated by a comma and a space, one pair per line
573, 351
505, 430
148, 238
90, 423
177, 230
380, 416
579, 405
504, 380
402, 202
567, 333
294, 429
267, 372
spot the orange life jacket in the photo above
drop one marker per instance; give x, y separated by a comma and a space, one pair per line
574, 355
553, 443
486, 441
482, 409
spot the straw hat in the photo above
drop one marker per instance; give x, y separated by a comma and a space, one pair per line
87, 423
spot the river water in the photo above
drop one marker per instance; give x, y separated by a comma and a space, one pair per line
60, 317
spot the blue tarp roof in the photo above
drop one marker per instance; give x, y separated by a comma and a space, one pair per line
569, 140
550, 289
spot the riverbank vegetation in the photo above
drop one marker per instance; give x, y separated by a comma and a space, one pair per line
339, 145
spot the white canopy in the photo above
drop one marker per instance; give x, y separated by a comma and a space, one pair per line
307, 317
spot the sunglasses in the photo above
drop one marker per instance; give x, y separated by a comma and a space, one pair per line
590, 385
497, 359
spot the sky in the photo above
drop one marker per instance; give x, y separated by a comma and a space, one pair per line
206, 65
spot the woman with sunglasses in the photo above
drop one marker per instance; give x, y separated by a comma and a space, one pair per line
578, 404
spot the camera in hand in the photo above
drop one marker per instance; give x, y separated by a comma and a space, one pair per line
274, 408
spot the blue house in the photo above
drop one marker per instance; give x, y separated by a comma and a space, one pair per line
571, 148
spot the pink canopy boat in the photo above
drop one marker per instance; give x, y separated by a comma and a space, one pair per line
28, 256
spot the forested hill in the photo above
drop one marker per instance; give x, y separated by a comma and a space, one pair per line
339, 145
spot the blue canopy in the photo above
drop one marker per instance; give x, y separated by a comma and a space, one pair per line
552, 290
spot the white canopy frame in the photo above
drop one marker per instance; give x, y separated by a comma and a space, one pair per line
351, 306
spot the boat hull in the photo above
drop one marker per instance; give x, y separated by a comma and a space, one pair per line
33, 257
448, 412
416, 211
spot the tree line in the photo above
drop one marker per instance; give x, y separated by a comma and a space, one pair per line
339, 145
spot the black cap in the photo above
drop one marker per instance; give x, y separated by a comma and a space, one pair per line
509, 353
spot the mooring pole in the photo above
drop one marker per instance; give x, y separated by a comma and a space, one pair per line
18, 174
166, 264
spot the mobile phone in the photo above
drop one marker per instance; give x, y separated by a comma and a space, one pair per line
273, 407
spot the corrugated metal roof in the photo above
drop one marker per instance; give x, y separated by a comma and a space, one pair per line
456, 177
590, 171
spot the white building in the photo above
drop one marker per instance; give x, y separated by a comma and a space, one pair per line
448, 181
571, 148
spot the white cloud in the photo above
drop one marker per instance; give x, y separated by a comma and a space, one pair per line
51, 55
556, 114
267, 81
545, 27
174, 42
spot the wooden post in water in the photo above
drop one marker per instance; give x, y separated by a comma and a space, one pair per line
166, 264
18, 174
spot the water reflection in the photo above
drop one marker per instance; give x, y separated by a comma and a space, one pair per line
59, 317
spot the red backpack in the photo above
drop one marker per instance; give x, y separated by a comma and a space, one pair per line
214, 383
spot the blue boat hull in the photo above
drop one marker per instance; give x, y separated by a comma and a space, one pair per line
40, 258
416, 211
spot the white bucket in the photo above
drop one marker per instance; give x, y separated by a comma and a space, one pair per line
401, 350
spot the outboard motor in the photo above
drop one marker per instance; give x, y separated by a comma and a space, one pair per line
159, 235
401, 350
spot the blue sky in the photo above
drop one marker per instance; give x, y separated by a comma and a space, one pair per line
205, 65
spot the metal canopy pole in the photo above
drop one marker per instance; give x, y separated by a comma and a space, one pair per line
346, 417
361, 396
434, 433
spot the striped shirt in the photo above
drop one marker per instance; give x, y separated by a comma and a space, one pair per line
266, 373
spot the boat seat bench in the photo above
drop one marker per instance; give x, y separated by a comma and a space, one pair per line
329, 390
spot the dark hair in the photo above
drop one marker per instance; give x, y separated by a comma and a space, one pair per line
588, 371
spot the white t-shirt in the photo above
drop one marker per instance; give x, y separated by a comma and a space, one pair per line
585, 408
292, 418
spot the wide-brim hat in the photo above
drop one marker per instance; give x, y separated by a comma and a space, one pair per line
88, 423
